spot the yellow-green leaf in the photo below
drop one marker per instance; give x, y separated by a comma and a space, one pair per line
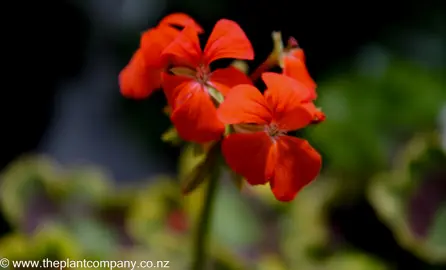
195, 167
171, 136
22, 180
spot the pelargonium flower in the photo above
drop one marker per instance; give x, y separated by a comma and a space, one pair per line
292, 61
260, 150
142, 75
194, 89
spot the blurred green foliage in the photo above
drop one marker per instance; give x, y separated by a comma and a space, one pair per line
394, 195
369, 114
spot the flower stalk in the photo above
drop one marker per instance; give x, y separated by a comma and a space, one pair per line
202, 237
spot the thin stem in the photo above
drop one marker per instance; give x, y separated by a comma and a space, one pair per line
265, 66
273, 59
204, 225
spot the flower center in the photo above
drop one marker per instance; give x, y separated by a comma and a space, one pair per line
273, 130
202, 74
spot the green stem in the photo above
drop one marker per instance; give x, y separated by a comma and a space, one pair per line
204, 224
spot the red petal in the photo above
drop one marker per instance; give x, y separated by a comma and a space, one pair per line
244, 104
297, 53
225, 78
154, 41
294, 67
175, 86
285, 97
296, 165
228, 40
247, 154
318, 115
180, 20
186, 47
137, 80
195, 116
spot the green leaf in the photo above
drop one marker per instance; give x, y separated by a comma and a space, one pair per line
22, 181
306, 229
234, 223
171, 136
86, 184
97, 240
227, 259
51, 241
437, 233
354, 260
403, 110
148, 211
15, 247
196, 166
271, 262
398, 197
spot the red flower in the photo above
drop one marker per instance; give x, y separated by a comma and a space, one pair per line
190, 92
261, 151
293, 65
293, 60
142, 75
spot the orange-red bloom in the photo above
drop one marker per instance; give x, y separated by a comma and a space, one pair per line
261, 151
142, 75
190, 91
293, 65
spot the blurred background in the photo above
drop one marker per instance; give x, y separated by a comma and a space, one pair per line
85, 174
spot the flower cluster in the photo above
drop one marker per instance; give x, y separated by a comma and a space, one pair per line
223, 104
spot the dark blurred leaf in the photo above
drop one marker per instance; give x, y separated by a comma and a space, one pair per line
409, 199
23, 184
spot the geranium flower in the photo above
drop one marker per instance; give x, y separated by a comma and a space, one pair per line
291, 59
142, 75
261, 151
193, 89
293, 65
